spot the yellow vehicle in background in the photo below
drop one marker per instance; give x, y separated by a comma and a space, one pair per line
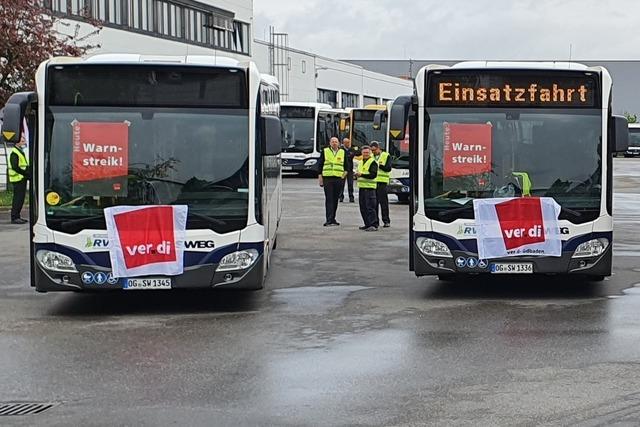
361, 130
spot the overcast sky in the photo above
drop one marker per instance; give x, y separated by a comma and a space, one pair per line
456, 29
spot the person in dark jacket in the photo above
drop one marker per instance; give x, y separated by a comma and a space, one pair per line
333, 169
351, 153
19, 173
367, 172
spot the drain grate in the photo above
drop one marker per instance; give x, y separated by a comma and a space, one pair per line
24, 408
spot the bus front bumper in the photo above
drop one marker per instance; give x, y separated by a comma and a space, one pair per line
467, 263
91, 278
399, 187
300, 166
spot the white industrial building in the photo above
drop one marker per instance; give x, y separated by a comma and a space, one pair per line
225, 27
221, 27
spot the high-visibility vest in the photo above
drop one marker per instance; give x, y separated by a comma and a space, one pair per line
363, 168
23, 162
383, 176
333, 163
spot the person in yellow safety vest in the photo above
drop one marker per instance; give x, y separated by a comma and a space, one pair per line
367, 172
19, 172
384, 175
333, 165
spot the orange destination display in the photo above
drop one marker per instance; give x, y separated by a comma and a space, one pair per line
100, 158
476, 88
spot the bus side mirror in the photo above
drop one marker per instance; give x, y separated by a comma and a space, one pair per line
12, 123
377, 120
620, 134
271, 133
399, 116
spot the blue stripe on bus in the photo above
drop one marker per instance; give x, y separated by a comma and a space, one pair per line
101, 259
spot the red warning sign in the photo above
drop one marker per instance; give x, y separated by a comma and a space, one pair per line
100, 151
467, 149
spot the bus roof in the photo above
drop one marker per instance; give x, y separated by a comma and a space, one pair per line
306, 104
129, 58
548, 65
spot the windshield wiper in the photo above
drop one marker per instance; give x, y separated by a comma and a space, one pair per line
209, 219
449, 212
465, 208
571, 212
79, 221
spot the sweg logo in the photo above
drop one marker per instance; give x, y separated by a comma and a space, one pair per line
200, 244
163, 248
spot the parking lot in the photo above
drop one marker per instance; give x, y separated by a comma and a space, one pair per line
343, 334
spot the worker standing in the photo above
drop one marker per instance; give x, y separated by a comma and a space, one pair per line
333, 164
19, 173
367, 172
382, 179
348, 182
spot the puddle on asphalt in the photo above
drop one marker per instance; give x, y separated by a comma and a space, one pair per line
313, 299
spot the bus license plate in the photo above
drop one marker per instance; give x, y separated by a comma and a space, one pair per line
515, 268
287, 168
147, 283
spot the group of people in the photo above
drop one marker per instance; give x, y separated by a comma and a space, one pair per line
336, 168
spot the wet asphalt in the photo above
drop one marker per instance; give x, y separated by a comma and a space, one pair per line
343, 334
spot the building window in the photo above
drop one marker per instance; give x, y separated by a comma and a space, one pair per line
328, 97
304, 66
370, 100
349, 100
182, 20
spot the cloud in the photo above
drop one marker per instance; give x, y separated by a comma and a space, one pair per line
456, 29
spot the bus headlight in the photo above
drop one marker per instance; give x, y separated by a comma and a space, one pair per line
240, 260
592, 248
55, 261
434, 248
311, 162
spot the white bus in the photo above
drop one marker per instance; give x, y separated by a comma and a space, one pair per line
634, 140
485, 130
307, 128
198, 131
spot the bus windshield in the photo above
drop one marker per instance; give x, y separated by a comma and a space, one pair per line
494, 153
129, 141
298, 126
634, 137
363, 132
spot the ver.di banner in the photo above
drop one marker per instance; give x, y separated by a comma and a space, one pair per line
146, 240
526, 226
